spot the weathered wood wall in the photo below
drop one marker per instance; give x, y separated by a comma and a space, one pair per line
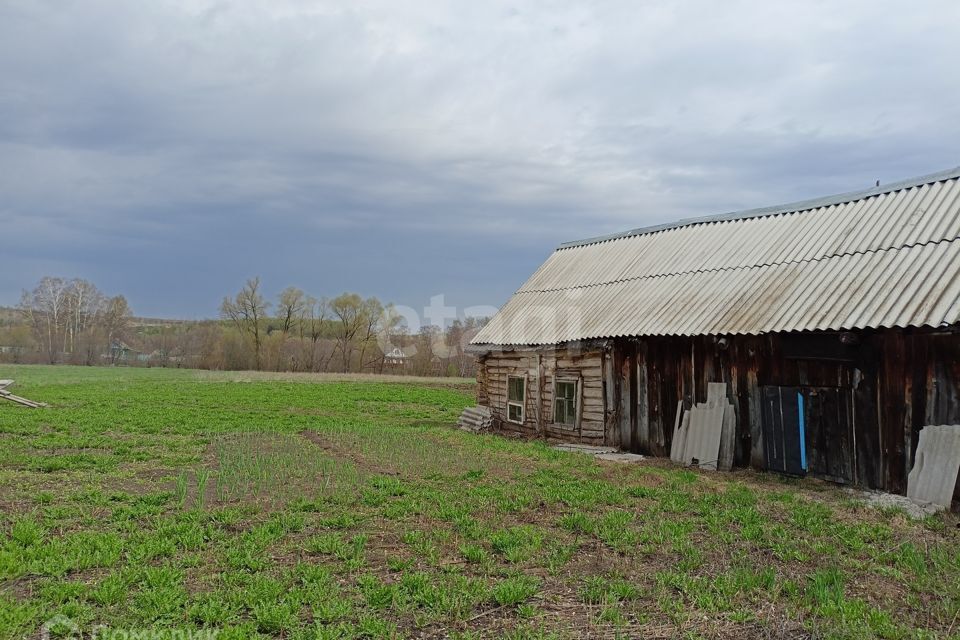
541, 368
896, 380
870, 396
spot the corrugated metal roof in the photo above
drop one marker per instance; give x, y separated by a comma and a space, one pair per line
882, 258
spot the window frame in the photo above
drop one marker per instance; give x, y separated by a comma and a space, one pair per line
576, 402
521, 404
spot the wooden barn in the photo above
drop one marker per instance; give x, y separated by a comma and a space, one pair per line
834, 322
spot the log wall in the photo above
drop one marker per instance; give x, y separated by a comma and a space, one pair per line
541, 368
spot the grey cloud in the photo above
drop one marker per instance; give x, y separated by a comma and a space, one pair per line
170, 150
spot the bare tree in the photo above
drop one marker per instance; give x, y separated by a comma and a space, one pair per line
116, 322
425, 361
246, 311
315, 312
292, 301
72, 317
458, 337
391, 325
44, 309
84, 303
289, 310
371, 313
347, 308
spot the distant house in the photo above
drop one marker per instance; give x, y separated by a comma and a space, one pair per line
835, 324
11, 353
397, 358
122, 353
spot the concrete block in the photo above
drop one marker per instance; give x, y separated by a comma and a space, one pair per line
585, 448
620, 457
880, 500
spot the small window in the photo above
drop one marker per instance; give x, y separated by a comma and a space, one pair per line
515, 396
565, 403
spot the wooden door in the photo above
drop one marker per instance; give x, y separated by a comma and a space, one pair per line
784, 443
829, 432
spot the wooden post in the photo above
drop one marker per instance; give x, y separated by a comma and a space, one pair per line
758, 459
643, 410
627, 382
611, 397
541, 424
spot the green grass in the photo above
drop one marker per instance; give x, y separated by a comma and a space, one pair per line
306, 507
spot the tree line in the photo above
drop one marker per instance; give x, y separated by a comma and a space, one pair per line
71, 321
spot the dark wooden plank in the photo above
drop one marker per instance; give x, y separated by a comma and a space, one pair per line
643, 415
893, 470
628, 394
867, 452
611, 389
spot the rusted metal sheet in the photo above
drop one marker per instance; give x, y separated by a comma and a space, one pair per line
881, 260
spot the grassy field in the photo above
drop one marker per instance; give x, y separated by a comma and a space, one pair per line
267, 506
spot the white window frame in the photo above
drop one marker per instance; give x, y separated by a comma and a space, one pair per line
513, 403
576, 402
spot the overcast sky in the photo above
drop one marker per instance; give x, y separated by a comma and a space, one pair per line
168, 150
